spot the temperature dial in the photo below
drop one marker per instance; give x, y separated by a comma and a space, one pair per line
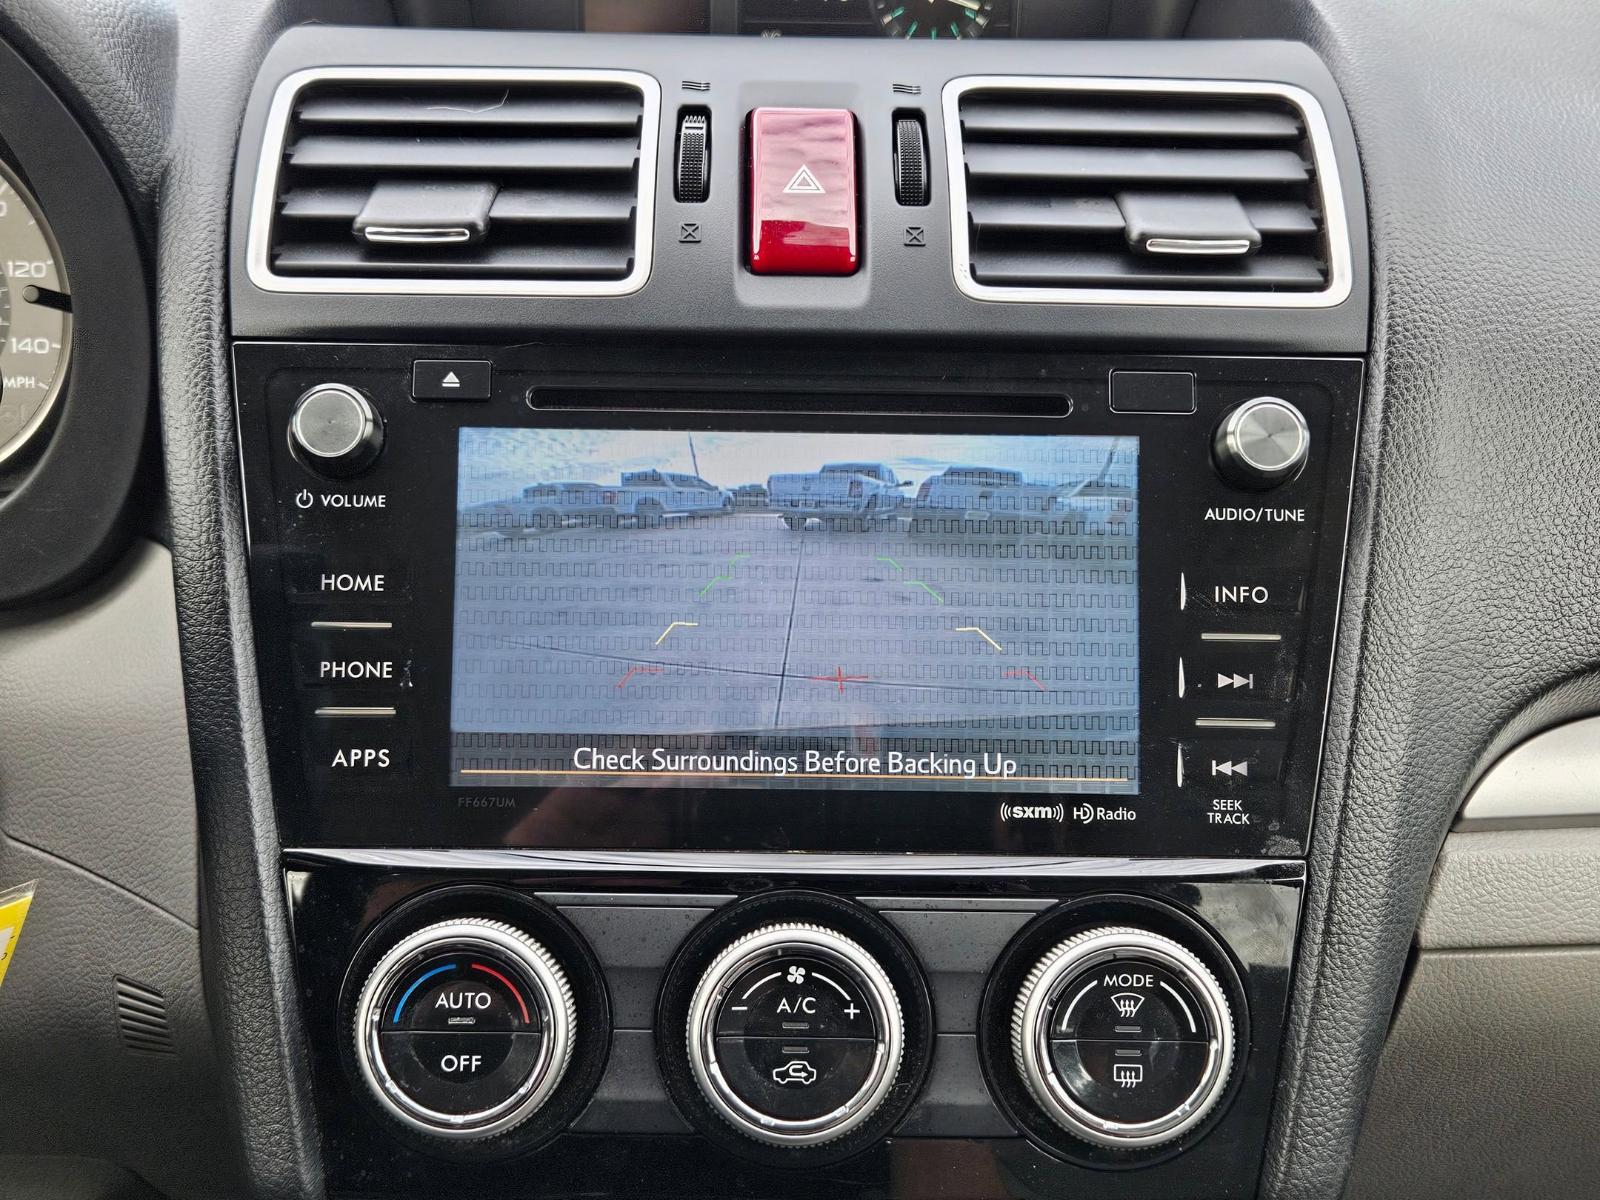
464, 1029
1123, 1037
1262, 443
795, 1035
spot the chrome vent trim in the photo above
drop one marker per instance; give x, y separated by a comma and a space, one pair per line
1340, 262
258, 252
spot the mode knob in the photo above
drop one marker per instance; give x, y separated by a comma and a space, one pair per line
464, 1029
795, 1035
1261, 443
335, 430
1123, 1037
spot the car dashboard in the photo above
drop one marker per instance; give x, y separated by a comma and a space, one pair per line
756, 599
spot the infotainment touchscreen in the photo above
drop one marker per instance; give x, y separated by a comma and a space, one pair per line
725, 609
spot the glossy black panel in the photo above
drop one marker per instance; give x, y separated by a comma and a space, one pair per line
1252, 913
1212, 560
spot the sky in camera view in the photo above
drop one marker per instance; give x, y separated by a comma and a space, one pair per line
499, 463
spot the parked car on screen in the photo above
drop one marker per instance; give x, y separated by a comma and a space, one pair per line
553, 505
505, 517
750, 496
991, 498
840, 494
649, 497
1001, 500
1097, 506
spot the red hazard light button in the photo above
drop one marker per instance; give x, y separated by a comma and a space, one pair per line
803, 192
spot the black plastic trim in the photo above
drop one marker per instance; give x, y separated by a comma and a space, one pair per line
698, 285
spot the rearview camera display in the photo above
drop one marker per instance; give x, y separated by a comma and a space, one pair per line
650, 608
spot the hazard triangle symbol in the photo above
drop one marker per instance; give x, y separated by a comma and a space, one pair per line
804, 183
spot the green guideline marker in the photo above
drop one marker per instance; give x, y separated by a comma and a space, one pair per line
721, 578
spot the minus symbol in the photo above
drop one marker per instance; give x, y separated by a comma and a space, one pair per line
739, 1008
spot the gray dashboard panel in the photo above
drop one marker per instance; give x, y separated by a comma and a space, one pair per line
97, 806
702, 288
1487, 1087
1470, 596
1553, 777
94, 758
1534, 887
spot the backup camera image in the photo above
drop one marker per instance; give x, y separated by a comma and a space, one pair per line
644, 608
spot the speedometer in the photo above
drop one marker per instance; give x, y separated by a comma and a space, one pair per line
934, 18
35, 317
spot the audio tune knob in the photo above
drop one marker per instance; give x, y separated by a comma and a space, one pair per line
335, 431
1261, 443
1123, 1037
795, 1035
464, 1028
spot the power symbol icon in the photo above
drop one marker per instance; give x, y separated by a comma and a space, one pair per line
304, 498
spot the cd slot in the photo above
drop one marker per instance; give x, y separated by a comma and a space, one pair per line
577, 398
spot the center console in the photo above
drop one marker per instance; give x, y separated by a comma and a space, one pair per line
716, 765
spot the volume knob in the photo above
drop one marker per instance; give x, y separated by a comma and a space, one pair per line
1261, 444
335, 431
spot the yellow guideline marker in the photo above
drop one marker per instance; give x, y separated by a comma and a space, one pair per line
13, 912
676, 625
982, 634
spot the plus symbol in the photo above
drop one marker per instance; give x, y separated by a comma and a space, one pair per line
851, 1012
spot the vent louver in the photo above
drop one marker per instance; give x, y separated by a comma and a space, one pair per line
1144, 192
523, 182
142, 1017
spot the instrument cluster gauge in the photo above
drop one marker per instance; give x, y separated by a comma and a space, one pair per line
934, 19
35, 317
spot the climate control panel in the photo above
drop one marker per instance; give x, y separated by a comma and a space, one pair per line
768, 1024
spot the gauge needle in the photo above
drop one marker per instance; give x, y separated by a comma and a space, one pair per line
974, 5
33, 294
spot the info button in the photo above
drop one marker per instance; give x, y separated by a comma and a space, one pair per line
1240, 592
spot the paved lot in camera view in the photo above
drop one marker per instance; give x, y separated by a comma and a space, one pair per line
738, 624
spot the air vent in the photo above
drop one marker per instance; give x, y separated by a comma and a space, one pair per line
479, 181
142, 1017
1144, 192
